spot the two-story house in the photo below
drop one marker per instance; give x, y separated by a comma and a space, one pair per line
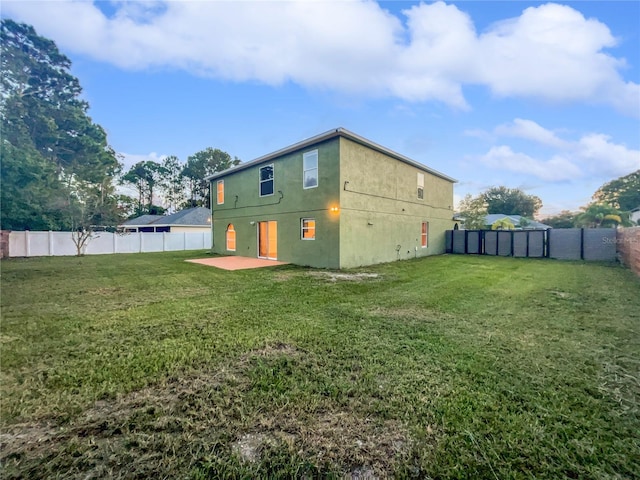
336, 200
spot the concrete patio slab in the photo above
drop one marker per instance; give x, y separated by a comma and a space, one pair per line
236, 263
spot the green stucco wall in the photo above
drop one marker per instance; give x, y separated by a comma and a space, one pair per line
379, 218
380, 214
244, 208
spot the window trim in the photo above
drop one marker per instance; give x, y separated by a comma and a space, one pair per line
305, 170
272, 180
424, 234
220, 193
303, 228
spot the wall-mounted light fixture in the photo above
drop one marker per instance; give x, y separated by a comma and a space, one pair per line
334, 209
252, 223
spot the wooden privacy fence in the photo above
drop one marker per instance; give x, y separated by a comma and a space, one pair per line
564, 244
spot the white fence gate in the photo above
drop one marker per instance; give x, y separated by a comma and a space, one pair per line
42, 244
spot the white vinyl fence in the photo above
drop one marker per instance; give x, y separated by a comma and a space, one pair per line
42, 244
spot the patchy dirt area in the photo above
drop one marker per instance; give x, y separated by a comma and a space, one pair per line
345, 277
273, 349
248, 446
17, 439
169, 428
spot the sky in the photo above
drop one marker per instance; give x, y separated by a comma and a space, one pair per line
539, 96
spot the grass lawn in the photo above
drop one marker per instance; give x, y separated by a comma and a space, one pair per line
143, 365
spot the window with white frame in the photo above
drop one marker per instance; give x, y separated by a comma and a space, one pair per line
266, 180
310, 169
308, 228
420, 185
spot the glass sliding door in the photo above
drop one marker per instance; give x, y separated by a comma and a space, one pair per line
268, 240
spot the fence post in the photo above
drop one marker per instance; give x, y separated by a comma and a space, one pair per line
546, 243
512, 240
582, 244
164, 241
27, 242
115, 242
184, 240
50, 238
5, 242
140, 241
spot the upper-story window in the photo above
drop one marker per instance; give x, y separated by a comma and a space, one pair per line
420, 185
220, 192
266, 180
310, 169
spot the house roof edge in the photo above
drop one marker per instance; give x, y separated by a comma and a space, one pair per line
334, 133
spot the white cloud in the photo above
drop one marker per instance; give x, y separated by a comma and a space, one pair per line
556, 169
550, 52
593, 155
441, 47
530, 130
600, 154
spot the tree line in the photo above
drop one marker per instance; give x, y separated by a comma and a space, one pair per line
58, 171
503, 200
174, 184
611, 206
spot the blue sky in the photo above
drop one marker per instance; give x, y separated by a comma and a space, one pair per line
539, 96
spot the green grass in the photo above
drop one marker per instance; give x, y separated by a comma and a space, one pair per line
143, 365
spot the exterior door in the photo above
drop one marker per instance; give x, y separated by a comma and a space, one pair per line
268, 240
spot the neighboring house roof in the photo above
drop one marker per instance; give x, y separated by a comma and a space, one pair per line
515, 219
142, 220
337, 132
191, 217
197, 216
